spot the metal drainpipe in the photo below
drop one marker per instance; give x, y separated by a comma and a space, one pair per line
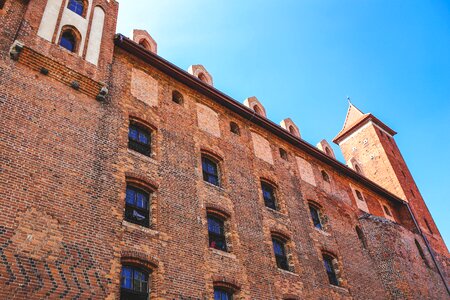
428, 247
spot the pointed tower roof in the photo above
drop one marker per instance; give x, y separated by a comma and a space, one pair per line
356, 118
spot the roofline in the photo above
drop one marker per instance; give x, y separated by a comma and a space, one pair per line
184, 77
362, 121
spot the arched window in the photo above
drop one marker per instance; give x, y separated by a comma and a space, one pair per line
279, 249
325, 176
216, 232
257, 110
134, 283
234, 128
177, 97
69, 40
315, 216
139, 138
77, 6
144, 43
292, 130
210, 170
222, 294
361, 237
202, 77
329, 264
137, 206
269, 195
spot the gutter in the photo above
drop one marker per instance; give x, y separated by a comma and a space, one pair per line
184, 77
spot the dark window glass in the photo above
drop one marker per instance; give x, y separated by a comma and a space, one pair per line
139, 139
359, 195
68, 41
2, 3
269, 196
137, 206
177, 97
210, 171
331, 272
234, 128
387, 211
280, 254
325, 176
315, 217
283, 154
216, 233
134, 284
358, 169
221, 294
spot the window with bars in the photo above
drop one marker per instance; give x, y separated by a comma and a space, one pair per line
222, 294
134, 284
329, 267
269, 196
216, 232
77, 6
137, 206
279, 249
139, 139
210, 170
315, 216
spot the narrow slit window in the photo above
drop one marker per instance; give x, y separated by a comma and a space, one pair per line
387, 210
359, 195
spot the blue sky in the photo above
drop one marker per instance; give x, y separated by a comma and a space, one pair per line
302, 58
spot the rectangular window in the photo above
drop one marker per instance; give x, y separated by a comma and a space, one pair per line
216, 232
137, 206
269, 196
134, 284
210, 171
331, 272
139, 139
221, 294
279, 249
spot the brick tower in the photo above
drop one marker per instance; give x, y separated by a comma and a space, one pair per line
369, 148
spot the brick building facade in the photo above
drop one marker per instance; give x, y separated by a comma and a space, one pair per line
125, 176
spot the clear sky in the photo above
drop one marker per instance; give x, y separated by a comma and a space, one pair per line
302, 58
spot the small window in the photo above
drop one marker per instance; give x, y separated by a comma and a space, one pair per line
137, 206
222, 294
202, 77
234, 128
134, 283
331, 272
428, 226
412, 193
216, 232
139, 139
292, 130
325, 176
361, 237
68, 41
387, 211
177, 97
77, 6
327, 151
359, 195
279, 248
283, 154
210, 170
269, 196
144, 43
315, 216
257, 110
358, 169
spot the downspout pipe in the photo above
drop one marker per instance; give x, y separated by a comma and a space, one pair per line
441, 274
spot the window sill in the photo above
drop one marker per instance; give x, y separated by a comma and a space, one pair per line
339, 288
287, 272
140, 228
276, 212
222, 253
150, 158
217, 187
323, 232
